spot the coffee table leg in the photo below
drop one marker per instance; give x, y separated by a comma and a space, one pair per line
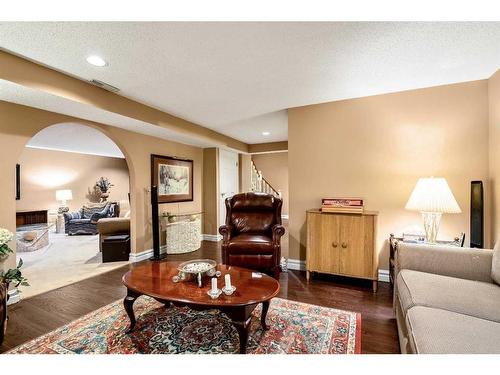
265, 308
128, 303
243, 328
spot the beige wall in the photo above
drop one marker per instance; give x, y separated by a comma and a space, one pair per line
45, 171
245, 173
494, 148
274, 167
210, 190
268, 147
377, 147
19, 123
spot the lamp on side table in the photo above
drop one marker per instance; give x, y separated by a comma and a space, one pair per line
432, 197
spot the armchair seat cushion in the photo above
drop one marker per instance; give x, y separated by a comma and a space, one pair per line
254, 262
469, 297
248, 243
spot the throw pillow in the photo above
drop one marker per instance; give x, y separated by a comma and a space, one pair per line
495, 264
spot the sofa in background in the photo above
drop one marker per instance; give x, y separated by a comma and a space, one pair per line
112, 226
447, 299
84, 221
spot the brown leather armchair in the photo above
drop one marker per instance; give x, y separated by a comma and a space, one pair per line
252, 233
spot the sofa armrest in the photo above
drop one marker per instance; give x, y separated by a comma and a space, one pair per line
68, 216
460, 262
113, 225
278, 232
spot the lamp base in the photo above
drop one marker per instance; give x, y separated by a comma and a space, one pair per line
431, 225
62, 209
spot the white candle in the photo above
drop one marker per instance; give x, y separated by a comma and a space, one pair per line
227, 278
214, 284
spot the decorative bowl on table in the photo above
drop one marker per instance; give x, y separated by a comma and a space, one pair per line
196, 269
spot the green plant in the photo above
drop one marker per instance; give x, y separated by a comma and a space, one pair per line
5, 237
103, 184
14, 275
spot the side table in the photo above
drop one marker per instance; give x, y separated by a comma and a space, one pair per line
60, 227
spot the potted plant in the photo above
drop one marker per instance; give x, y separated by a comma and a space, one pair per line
104, 185
5, 237
14, 276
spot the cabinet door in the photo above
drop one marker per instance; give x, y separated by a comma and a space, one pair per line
355, 252
323, 243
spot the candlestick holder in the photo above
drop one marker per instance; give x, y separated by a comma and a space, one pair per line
229, 291
214, 294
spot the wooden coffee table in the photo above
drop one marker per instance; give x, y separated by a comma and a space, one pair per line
154, 279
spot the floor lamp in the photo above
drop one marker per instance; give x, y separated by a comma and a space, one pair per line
156, 225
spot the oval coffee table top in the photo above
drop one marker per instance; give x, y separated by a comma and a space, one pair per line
155, 279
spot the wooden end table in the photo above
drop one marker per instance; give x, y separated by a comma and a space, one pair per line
154, 279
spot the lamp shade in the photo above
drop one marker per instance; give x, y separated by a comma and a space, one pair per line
64, 195
432, 195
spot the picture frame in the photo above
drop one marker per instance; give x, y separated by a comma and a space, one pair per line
173, 178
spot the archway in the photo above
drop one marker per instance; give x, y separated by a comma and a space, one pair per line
68, 158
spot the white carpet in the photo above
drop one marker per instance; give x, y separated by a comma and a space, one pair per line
66, 260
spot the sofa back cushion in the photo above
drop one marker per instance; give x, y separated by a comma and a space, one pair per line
89, 209
495, 264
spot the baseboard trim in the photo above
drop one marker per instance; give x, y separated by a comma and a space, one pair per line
284, 217
146, 254
211, 237
383, 275
14, 296
300, 265
296, 264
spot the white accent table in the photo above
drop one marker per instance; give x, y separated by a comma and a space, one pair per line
60, 226
182, 232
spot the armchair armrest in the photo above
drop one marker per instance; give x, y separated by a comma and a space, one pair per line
226, 231
278, 231
464, 263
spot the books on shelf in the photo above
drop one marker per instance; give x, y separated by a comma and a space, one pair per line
342, 205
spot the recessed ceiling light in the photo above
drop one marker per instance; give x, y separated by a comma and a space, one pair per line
266, 133
96, 60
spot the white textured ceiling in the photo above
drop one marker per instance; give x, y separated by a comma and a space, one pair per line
19, 94
223, 75
61, 137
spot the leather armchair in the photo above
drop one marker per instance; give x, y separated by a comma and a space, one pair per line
252, 233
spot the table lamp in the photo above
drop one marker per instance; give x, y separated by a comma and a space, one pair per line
432, 197
63, 196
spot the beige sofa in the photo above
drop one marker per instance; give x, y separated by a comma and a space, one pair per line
447, 299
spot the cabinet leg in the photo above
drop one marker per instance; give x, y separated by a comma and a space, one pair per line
374, 286
308, 275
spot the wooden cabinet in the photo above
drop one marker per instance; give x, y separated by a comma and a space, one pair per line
342, 244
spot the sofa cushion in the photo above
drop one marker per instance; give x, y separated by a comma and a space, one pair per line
474, 298
495, 264
437, 331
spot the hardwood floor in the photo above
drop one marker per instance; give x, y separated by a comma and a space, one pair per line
40, 314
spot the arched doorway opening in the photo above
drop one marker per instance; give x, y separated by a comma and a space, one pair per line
71, 176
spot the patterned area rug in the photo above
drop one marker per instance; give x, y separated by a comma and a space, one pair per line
294, 328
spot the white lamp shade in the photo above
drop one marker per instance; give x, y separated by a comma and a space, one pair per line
64, 195
433, 195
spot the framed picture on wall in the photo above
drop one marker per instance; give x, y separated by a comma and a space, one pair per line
173, 177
